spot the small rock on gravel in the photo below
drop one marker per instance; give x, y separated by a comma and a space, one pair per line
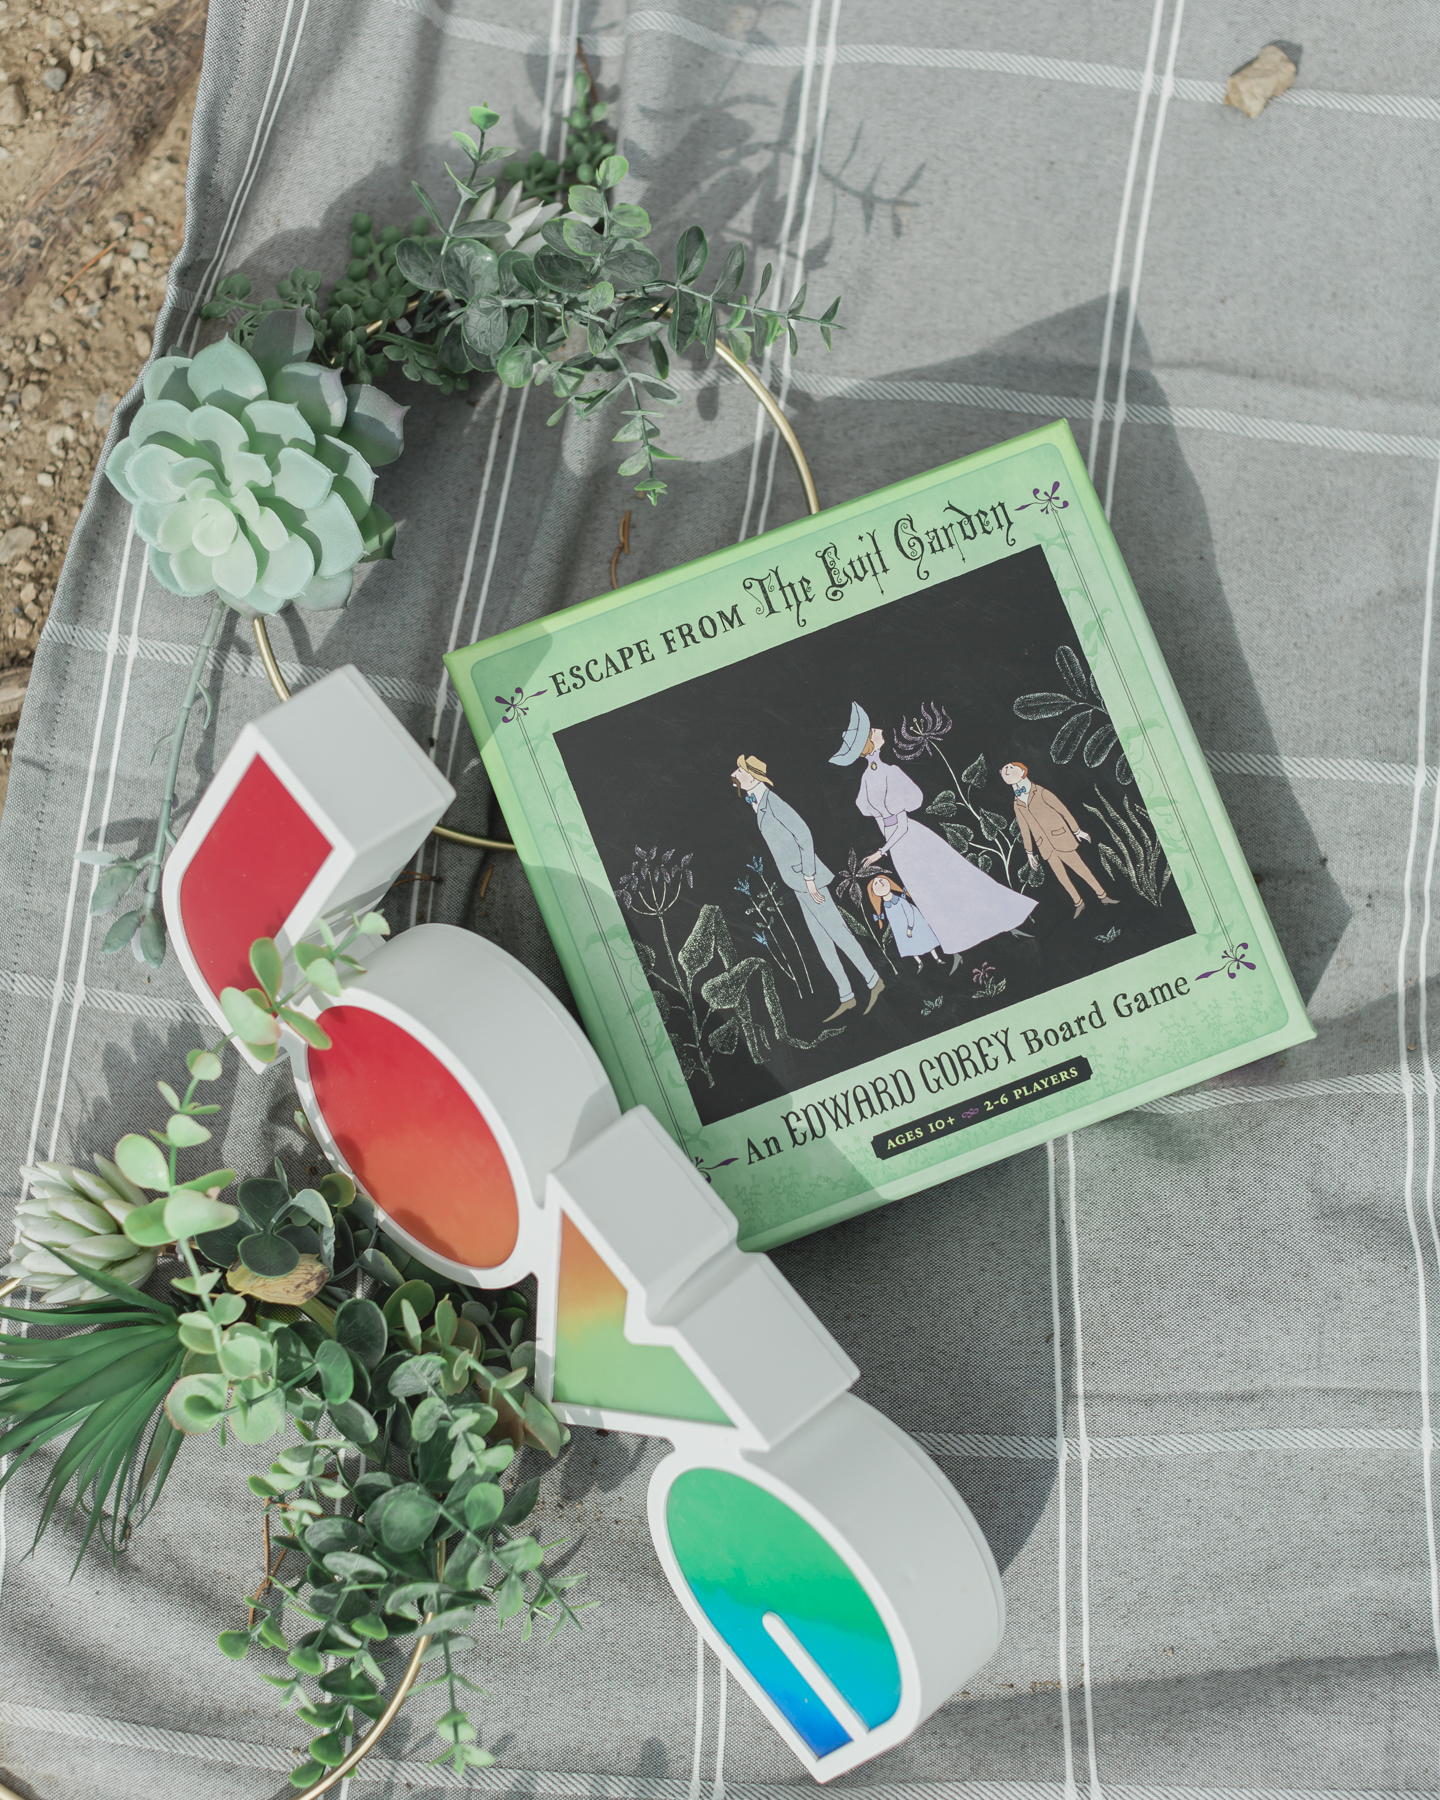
12, 105
30, 397
141, 341
55, 79
16, 541
1250, 88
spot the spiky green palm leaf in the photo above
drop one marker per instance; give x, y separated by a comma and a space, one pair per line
104, 1385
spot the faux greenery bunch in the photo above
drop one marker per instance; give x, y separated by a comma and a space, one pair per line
409, 1395
251, 468
576, 310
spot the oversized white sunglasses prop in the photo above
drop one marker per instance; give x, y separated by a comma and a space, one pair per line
824, 1558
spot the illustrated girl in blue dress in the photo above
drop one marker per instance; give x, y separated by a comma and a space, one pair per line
913, 936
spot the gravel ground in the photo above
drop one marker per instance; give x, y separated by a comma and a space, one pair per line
76, 346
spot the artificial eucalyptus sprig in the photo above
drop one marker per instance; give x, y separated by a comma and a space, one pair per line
251, 467
479, 294
297, 1307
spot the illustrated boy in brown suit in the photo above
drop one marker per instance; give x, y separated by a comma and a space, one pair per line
1049, 831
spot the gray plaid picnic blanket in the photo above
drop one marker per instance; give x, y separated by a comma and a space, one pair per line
1179, 1365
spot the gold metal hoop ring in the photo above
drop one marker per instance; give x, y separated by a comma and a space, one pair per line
812, 502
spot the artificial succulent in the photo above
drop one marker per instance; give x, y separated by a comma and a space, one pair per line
252, 471
82, 1214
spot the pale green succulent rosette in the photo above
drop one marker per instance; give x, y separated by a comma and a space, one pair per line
252, 472
82, 1214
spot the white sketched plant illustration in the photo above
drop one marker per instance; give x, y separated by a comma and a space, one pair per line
764, 906
705, 1011
1086, 727
1134, 850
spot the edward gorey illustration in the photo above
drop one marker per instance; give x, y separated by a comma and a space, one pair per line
872, 832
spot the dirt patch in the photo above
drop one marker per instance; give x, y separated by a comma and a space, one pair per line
75, 346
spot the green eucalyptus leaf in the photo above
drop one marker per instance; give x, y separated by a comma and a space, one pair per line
360, 1327
518, 270
352, 1421
259, 1417
509, 1598
580, 240
197, 1331
323, 974
349, 1565
146, 1225
377, 1263
305, 1027
691, 254
520, 1554
265, 958
521, 1503
419, 262
196, 1403
629, 221
250, 1023
309, 1202
484, 1505
427, 1418
542, 1424
246, 1352
114, 883
184, 1132
418, 1294
630, 265
470, 270
403, 1517
732, 272
410, 1325
559, 270
188, 1213
337, 1373
415, 1375
516, 365
484, 325
337, 1190
142, 1161
204, 1065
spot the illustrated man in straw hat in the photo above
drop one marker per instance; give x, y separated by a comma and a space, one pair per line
790, 843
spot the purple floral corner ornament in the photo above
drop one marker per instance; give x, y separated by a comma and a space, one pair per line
1048, 503
516, 704
706, 1168
1231, 963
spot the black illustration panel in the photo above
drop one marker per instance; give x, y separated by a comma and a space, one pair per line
982, 843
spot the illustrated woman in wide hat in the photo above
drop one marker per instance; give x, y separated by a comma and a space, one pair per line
962, 905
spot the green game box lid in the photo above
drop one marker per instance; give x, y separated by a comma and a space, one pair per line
880, 847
